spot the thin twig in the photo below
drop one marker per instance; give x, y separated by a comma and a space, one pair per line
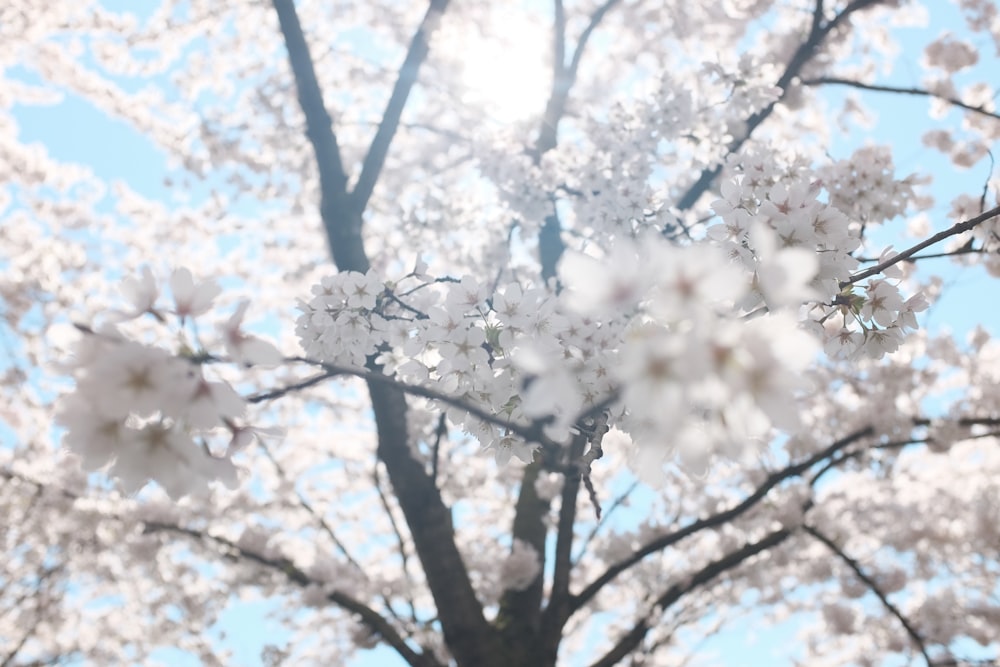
900, 90
954, 230
855, 567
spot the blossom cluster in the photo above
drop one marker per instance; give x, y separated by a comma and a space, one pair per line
763, 209
649, 332
141, 409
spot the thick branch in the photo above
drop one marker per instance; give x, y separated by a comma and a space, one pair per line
564, 77
631, 640
471, 639
550, 244
343, 230
375, 621
559, 606
837, 81
855, 567
954, 230
550, 247
520, 611
415, 56
818, 31
715, 520
400, 540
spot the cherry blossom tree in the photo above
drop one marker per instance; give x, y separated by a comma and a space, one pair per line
495, 333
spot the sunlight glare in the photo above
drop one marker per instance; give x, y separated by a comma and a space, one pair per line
507, 72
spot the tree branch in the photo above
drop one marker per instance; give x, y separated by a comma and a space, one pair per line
368, 616
615, 504
954, 230
415, 56
837, 81
855, 567
967, 249
670, 539
559, 607
533, 432
470, 638
818, 31
631, 640
403, 551
375, 621
550, 244
307, 506
520, 611
343, 231
564, 77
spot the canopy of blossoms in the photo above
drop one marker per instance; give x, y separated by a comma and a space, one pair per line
424, 362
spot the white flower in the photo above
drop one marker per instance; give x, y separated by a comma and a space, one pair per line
361, 289
244, 435
882, 303
894, 271
783, 275
94, 437
879, 342
549, 485
131, 378
615, 284
507, 446
844, 344
689, 280
190, 299
141, 292
551, 388
166, 454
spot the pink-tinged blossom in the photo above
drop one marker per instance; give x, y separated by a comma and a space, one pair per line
688, 282
894, 271
135, 406
879, 342
94, 437
361, 289
951, 54
167, 455
548, 485
244, 348
211, 404
244, 435
882, 303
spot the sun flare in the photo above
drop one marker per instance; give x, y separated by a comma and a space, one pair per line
506, 71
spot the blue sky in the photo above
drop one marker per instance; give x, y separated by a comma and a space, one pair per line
75, 131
